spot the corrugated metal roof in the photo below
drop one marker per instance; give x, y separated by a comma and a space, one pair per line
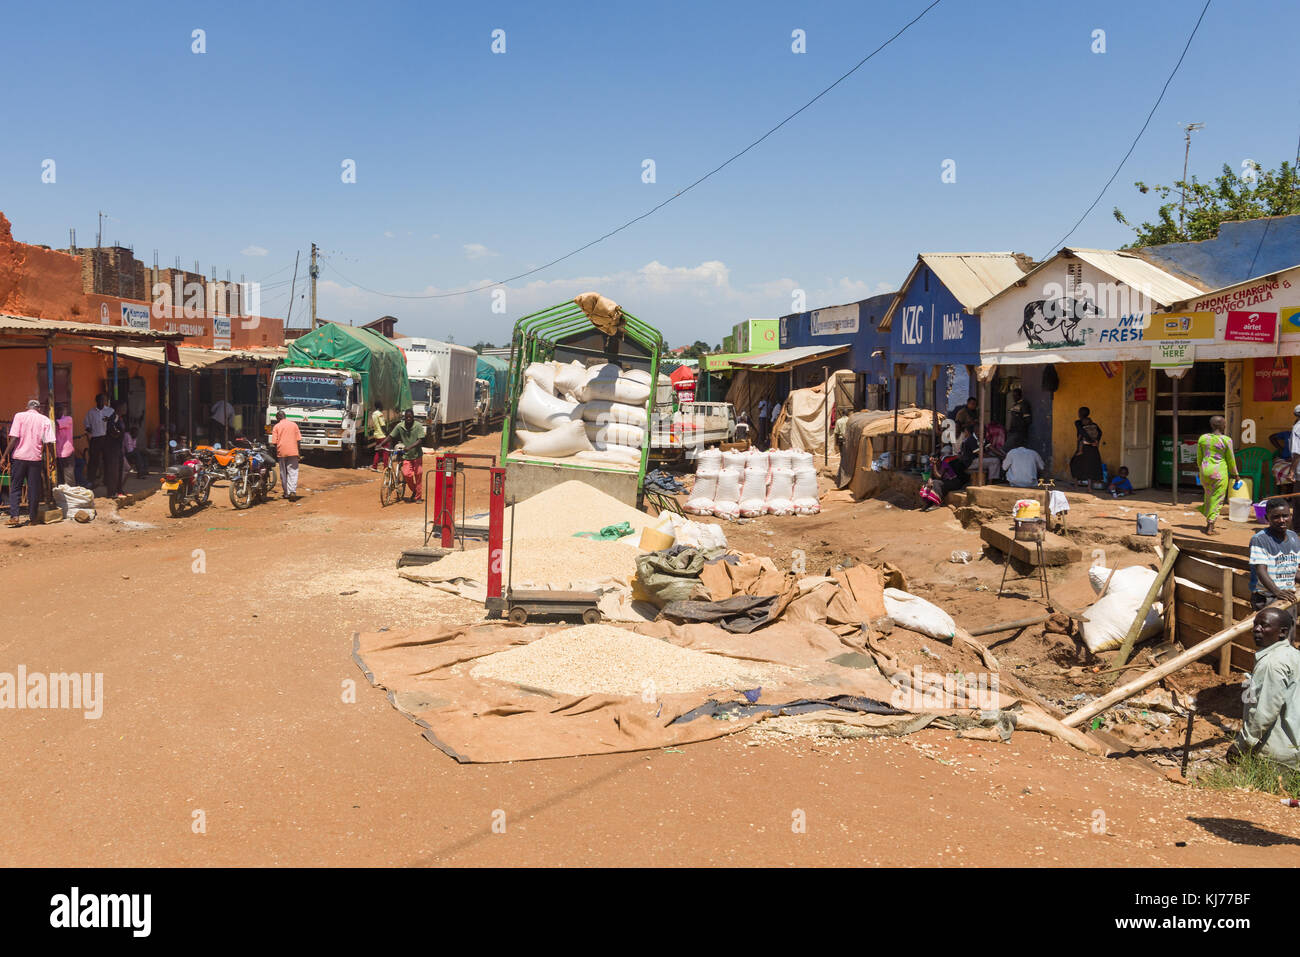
782, 358
30, 325
1161, 287
193, 357
972, 278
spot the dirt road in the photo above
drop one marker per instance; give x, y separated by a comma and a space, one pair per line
237, 730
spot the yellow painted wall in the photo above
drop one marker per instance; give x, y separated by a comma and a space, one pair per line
1084, 383
1269, 417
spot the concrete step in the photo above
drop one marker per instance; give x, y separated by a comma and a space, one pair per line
1056, 549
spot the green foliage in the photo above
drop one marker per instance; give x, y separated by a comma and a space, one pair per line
480, 346
1228, 198
1251, 772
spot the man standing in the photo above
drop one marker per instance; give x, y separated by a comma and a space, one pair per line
762, 423
222, 412
377, 436
1019, 417
95, 434
410, 434
64, 452
29, 433
1274, 557
1270, 719
967, 415
286, 438
114, 457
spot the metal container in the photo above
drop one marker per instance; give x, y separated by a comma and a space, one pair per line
1030, 529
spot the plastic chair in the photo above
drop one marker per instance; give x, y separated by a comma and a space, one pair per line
1255, 463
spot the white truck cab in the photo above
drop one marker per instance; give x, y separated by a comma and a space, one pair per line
324, 402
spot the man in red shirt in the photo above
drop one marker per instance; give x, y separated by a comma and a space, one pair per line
29, 433
286, 437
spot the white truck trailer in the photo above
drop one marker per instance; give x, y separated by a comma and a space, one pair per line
442, 387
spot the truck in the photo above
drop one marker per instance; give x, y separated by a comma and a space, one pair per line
333, 378
492, 384
694, 426
442, 387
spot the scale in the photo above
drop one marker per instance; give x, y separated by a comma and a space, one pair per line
516, 605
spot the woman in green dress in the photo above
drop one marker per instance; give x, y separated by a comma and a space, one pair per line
1215, 462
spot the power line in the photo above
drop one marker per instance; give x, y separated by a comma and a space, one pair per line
654, 209
1061, 242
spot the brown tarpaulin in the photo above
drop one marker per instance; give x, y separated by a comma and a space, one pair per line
605, 314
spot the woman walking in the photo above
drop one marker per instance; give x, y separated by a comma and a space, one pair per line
1085, 466
1215, 462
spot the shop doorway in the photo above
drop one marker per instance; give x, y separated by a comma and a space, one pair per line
1138, 422
1202, 394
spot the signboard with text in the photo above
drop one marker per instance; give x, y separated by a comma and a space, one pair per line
1172, 356
1172, 326
137, 317
1247, 326
1273, 379
220, 332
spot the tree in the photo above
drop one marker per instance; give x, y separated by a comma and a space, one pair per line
697, 349
1252, 193
480, 346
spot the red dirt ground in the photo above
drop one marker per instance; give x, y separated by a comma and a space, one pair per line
225, 693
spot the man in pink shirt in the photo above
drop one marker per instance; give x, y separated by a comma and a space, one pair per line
286, 437
28, 435
63, 448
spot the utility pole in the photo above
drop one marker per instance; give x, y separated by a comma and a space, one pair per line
315, 271
1189, 129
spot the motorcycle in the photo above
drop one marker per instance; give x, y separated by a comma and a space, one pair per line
189, 481
251, 473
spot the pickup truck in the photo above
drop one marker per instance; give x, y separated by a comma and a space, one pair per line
694, 426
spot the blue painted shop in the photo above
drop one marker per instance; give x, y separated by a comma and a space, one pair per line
842, 337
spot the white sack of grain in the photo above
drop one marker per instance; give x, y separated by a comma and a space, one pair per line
801, 460
706, 487
692, 534
919, 615
602, 434
753, 493
709, 460
734, 460
608, 382
758, 460
780, 459
614, 454
726, 500
541, 410
605, 411
543, 373
1108, 619
562, 441
570, 377
805, 492
641, 375
780, 492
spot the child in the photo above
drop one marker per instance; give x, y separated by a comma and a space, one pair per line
1120, 485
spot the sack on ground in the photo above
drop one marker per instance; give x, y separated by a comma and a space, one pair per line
919, 615
1109, 618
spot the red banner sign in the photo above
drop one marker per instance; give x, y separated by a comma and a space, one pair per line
1251, 327
1273, 379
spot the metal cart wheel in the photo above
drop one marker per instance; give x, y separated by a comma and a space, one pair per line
591, 616
519, 615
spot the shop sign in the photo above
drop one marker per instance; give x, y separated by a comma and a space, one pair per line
1140, 394
1273, 379
837, 320
1173, 356
1245, 326
1181, 325
137, 317
1289, 319
220, 332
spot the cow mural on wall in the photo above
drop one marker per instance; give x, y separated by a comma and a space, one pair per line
1061, 315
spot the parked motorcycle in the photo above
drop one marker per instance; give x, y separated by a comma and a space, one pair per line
188, 482
252, 474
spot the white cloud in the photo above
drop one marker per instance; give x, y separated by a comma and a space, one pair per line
253, 251
477, 251
388, 234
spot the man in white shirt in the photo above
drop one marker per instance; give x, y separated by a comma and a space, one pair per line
1022, 466
94, 423
222, 413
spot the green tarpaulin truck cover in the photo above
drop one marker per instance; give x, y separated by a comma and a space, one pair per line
380, 362
496, 371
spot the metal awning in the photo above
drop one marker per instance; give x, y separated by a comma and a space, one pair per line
782, 360
194, 358
28, 331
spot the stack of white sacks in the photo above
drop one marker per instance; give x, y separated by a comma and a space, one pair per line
596, 414
732, 484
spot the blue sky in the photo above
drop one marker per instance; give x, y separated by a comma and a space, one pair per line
472, 166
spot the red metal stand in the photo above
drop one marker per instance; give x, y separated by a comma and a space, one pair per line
444, 492
496, 525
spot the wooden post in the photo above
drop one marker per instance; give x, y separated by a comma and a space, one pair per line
1135, 629
1177, 450
984, 412
1171, 620
1225, 653
1175, 663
